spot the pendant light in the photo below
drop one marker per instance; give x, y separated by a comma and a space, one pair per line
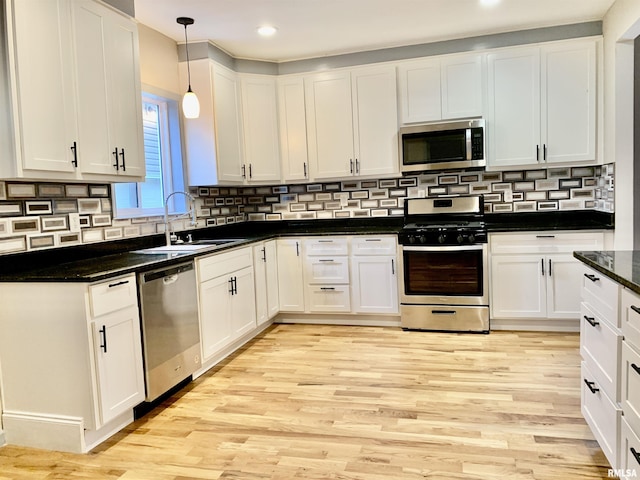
190, 103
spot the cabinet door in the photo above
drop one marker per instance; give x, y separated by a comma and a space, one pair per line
293, 129
125, 99
260, 120
42, 56
375, 116
261, 287
215, 315
329, 125
374, 284
273, 301
118, 353
243, 303
419, 89
569, 101
518, 287
563, 291
513, 110
290, 276
462, 82
228, 124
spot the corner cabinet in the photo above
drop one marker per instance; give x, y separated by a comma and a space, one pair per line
542, 104
352, 123
290, 274
75, 91
265, 266
293, 129
533, 277
86, 374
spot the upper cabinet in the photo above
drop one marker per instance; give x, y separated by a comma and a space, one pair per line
235, 139
352, 122
74, 86
441, 88
293, 129
542, 104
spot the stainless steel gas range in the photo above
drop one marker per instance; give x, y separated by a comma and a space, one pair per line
444, 267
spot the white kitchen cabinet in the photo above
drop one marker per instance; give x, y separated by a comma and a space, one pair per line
293, 128
74, 73
87, 368
533, 274
214, 141
444, 87
260, 128
265, 265
352, 122
109, 93
542, 104
290, 275
227, 299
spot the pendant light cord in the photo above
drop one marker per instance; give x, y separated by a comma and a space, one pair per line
186, 46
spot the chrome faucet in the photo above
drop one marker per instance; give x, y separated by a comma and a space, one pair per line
167, 223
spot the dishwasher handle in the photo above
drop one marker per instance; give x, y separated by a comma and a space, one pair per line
170, 279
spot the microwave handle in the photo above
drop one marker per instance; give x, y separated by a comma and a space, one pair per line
467, 137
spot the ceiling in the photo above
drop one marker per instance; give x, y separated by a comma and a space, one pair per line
317, 28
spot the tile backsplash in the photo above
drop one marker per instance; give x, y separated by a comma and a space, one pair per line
36, 216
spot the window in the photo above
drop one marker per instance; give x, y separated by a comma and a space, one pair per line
163, 160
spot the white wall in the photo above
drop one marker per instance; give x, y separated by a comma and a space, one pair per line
620, 26
158, 60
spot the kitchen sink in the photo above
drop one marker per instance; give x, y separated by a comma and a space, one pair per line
192, 247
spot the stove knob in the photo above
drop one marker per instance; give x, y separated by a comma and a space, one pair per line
442, 238
460, 238
412, 239
423, 239
471, 238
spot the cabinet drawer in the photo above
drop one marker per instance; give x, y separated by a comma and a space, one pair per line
327, 270
602, 416
373, 245
629, 448
630, 316
213, 266
630, 372
326, 246
600, 347
112, 295
328, 298
601, 294
545, 242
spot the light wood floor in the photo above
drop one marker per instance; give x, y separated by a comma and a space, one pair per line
345, 403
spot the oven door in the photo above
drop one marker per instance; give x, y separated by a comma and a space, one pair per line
444, 275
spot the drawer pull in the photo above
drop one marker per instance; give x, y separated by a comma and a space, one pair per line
325, 241
635, 309
545, 236
636, 368
117, 284
328, 288
373, 240
326, 260
591, 386
591, 277
635, 454
592, 321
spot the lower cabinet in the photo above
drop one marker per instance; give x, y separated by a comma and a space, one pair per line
82, 354
227, 299
374, 278
290, 275
265, 266
533, 274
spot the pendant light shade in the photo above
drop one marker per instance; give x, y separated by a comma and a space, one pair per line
190, 103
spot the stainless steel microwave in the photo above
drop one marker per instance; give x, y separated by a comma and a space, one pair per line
442, 146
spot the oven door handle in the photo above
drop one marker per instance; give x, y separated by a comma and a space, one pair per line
451, 248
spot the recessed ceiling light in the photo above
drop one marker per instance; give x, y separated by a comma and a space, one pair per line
267, 30
489, 3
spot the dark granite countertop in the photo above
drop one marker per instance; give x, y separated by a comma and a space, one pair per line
622, 266
94, 262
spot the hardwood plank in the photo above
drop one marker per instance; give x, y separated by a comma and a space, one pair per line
355, 403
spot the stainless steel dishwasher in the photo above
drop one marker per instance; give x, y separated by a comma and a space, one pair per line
170, 326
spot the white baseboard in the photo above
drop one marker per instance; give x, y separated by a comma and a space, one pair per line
3, 440
337, 319
64, 434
